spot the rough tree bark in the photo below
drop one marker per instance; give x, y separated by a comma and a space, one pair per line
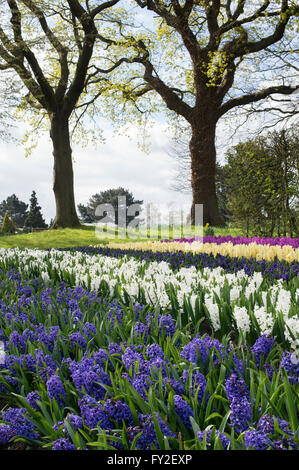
63, 177
203, 159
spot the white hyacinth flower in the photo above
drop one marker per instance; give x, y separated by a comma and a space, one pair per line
242, 318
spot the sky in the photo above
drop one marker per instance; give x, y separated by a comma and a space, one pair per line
117, 162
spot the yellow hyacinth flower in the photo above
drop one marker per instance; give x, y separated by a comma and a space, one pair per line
252, 250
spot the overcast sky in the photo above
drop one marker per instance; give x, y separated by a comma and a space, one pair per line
118, 162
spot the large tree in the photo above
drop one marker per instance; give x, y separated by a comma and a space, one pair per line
215, 56
52, 48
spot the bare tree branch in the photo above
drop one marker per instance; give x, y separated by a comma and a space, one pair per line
257, 96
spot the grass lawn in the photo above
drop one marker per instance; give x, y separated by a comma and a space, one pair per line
83, 236
59, 238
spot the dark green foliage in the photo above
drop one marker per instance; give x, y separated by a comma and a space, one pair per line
262, 184
16, 209
222, 191
35, 218
110, 196
208, 231
85, 215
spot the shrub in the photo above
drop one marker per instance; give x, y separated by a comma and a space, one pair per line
208, 231
8, 226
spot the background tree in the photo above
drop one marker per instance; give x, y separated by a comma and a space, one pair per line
213, 58
85, 216
16, 210
262, 181
221, 182
50, 48
110, 196
35, 218
284, 148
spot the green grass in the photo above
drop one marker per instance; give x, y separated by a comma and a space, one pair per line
59, 238
83, 236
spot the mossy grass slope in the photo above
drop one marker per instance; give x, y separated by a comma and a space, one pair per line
82, 236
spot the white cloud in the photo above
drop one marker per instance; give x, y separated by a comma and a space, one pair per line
119, 162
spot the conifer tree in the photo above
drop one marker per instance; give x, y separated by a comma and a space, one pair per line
35, 218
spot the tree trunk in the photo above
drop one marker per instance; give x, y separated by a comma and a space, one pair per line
63, 178
203, 168
278, 226
272, 226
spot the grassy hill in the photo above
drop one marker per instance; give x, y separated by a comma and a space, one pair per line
59, 238
82, 236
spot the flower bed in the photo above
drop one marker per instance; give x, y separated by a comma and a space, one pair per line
219, 239
229, 302
251, 250
177, 259
94, 362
